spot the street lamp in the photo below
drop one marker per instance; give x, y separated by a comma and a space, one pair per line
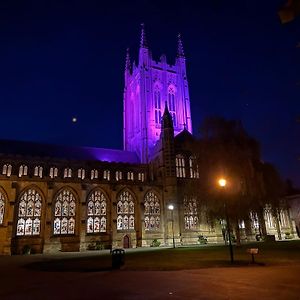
171, 208
222, 183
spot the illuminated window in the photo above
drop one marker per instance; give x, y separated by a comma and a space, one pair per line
81, 173
118, 175
269, 217
171, 104
254, 220
106, 174
67, 173
29, 213
180, 166
284, 219
7, 170
96, 213
152, 212
125, 211
23, 170
157, 106
53, 172
64, 213
38, 171
94, 174
194, 171
129, 175
190, 213
2, 208
141, 177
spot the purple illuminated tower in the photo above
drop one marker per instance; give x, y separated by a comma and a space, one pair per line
148, 86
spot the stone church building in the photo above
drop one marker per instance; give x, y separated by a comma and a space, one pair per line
59, 198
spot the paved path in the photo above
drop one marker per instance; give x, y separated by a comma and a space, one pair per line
249, 282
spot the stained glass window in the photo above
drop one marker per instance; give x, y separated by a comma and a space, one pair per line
96, 212
190, 213
118, 175
152, 212
29, 213
67, 173
180, 166
64, 213
125, 211
81, 173
106, 174
2, 208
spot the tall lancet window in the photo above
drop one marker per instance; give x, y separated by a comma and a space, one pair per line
171, 104
29, 213
152, 212
194, 171
125, 211
180, 166
157, 106
190, 213
64, 213
96, 212
2, 208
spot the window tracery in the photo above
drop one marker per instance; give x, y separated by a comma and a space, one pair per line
29, 213
180, 166
2, 208
151, 212
96, 212
194, 170
64, 213
125, 211
7, 170
191, 219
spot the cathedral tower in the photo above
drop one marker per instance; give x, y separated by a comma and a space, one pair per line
148, 86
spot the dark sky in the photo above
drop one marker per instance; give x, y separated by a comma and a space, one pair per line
60, 59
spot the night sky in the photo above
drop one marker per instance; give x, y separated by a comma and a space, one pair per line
65, 59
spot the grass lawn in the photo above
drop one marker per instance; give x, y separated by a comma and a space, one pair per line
206, 256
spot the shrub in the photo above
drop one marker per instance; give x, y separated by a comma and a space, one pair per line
155, 243
202, 239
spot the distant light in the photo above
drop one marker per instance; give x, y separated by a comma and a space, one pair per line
222, 182
170, 206
74, 119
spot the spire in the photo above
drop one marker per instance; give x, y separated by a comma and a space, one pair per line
167, 121
127, 63
143, 43
180, 52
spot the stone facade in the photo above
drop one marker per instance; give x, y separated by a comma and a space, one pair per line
57, 198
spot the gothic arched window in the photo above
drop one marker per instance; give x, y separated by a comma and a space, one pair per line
94, 174
171, 104
125, 211
2, 208
157, 106
23, 170
29, 213
194, 171
7, 170
96, 212
64, 213
53, 172
81, 173
67, 173
190, 213
152, 212
38, 171
180, 166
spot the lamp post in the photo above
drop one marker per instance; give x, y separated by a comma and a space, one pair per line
222, 183
171, 208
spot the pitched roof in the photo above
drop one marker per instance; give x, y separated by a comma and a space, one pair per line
32, 149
